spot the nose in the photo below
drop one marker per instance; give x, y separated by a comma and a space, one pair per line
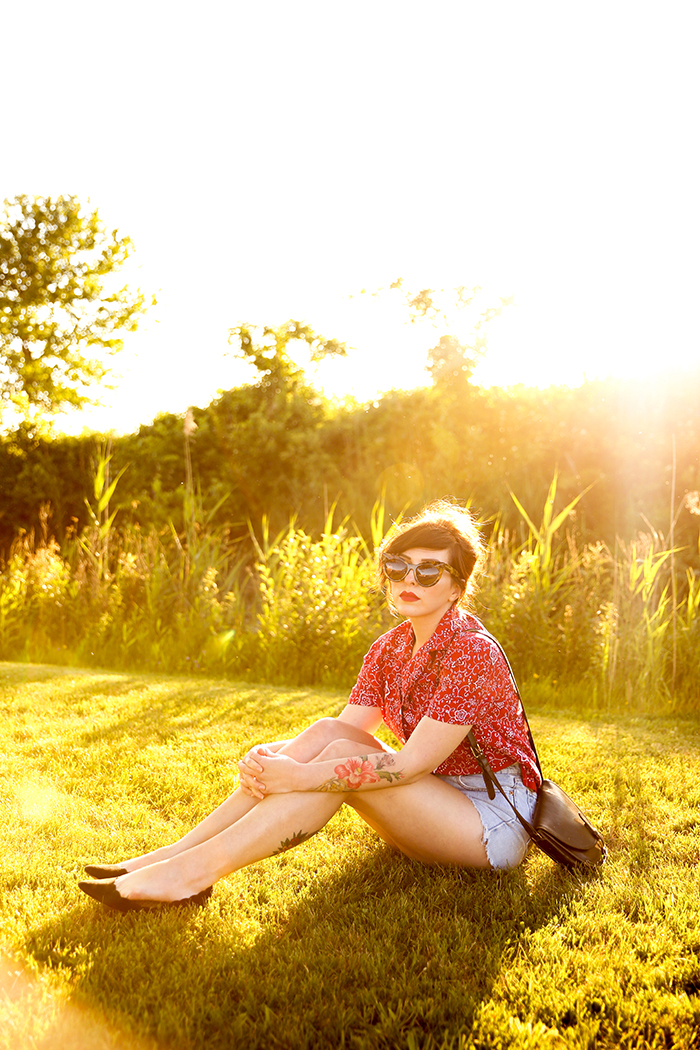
411, 568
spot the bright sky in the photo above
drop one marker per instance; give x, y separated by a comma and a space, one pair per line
271, 159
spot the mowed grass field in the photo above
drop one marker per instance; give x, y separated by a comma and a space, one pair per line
339, 942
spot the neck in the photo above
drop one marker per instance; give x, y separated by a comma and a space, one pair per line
424, 627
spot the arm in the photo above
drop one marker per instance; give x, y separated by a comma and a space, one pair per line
367, 718
429, 745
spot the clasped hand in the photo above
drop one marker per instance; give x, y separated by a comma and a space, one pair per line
264, 772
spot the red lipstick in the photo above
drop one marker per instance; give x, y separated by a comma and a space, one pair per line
408, 596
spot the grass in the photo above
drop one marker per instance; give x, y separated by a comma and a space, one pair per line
338, 943
297, 610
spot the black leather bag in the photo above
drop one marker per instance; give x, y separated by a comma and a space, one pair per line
558, 826
563, 831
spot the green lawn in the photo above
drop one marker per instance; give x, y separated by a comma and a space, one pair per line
338, 943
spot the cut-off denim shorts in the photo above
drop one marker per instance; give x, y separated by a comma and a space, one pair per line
504, 838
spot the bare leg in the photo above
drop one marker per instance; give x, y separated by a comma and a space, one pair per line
304, 747
427, 820
260, 833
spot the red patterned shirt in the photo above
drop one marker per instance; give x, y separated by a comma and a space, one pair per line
457, 677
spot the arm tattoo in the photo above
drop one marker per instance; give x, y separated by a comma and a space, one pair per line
354, 772
297, 837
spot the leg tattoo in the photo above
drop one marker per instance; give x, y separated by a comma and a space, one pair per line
297, 837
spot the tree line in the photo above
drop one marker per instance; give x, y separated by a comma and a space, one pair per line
276, 449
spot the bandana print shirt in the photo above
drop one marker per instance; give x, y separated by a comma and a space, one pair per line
457, 677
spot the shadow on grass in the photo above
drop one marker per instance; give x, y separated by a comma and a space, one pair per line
164, 706
360, 958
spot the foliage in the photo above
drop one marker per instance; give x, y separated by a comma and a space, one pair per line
544, 595
320, 610
584, 596
339, 941
277, 371
56, 305
300, 610
296, 455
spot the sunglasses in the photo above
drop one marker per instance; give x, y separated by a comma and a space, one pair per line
426, 573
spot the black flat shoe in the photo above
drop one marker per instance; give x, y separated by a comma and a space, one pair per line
107, 893
105, 871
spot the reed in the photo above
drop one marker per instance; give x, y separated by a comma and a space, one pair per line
319, 608
302, 610
541, 597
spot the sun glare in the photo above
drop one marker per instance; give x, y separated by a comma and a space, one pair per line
516, 170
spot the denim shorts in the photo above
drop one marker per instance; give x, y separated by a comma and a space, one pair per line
504, 837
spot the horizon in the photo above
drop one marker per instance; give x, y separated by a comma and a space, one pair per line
640, 385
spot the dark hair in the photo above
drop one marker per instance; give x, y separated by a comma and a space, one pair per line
441, 526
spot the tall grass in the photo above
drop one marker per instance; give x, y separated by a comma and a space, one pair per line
319, 610
290, 609
596, 619
297, 609
541, 597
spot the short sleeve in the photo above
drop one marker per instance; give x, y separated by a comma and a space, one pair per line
368, 690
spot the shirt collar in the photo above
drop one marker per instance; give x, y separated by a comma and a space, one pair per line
440, 638
442, 635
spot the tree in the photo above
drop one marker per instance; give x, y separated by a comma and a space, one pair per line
55, 301
451, 363
269, 432
270, 356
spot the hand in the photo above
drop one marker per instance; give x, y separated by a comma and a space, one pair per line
278, 773
264, 772
249, 767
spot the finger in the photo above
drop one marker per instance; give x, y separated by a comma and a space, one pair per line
252, 787
248, 767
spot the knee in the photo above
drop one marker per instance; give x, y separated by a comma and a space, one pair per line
339, 748
324, 731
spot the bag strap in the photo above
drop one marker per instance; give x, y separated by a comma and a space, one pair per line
490, 778
486, 634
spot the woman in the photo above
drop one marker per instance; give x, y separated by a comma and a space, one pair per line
429, 680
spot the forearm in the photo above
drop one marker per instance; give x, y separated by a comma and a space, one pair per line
356, 762
341, 767
366, 772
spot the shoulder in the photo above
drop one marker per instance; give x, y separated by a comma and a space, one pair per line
394, 639
468, 634
471, 642
381, 659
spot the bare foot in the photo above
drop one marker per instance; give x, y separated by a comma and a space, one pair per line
164, 881
147, 859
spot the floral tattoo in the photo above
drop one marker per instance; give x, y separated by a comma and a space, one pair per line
297, 837
354, 772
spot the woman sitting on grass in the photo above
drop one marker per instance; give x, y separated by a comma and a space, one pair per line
429, 680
